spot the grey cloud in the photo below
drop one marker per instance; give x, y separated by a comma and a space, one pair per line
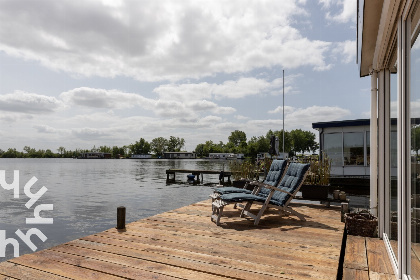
28, 103
44, 129
157, 40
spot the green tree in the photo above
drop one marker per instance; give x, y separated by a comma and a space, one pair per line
140, 147
257, 145
11, 153
199, 150
279, 135
159, 146
303, 141
237, 138
117, 152
105, 149
48, 154
61, 150
175, 144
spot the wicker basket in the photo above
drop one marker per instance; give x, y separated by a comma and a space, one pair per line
361, 223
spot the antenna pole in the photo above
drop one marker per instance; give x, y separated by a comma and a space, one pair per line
283, 112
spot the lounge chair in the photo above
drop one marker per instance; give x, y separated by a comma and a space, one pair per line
274, 175
269, 196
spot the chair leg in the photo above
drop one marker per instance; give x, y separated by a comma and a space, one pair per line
260, 213
246, 209
217, 211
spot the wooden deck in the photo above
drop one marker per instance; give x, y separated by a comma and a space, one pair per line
185, 244
366, 258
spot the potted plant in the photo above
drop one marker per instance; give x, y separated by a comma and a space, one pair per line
317, 181
242, 172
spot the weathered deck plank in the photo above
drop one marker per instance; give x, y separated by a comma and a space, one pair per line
366, 259
378, 257
185, 244
356, 257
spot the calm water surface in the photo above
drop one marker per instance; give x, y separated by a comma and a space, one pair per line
86, 193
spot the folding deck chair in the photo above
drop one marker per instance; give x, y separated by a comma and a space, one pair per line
274, 175
269, 196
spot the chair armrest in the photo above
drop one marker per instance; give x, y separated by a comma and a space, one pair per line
257, 186
280, 190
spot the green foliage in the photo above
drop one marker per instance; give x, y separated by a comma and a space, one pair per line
295, 141
139, 147
237, 138
303, 141
118, 152
159, 146
175, 144
257, 145
243, 170
105, 149
319, 173
279, 134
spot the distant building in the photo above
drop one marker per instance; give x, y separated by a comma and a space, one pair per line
347, 144
226, 156
141, 156
95, 155
218, 155
180, 155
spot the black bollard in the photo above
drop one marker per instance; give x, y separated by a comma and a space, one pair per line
120, 218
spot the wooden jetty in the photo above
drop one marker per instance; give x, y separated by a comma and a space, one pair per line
197, 173
185, 244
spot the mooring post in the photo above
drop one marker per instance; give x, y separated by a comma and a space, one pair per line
120, 218
344, 210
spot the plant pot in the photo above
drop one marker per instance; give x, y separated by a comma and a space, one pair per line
239, 183
336, 194
314, 191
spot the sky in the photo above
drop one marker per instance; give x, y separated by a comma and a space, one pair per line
85, 73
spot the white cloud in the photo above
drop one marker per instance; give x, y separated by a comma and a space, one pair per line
345, 51
230, 89
45, 129
28, 103
309, 115
240, 117
279, 109
164, 107
346, 13
159, 40
102, 98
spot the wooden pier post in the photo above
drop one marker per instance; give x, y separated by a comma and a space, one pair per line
344, 210
120, 218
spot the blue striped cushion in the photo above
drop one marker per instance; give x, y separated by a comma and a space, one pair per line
273, 177
290, 182
224, 190
237, 197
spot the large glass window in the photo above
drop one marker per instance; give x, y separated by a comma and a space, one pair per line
393, 189
415, 163
353, 150
333, 144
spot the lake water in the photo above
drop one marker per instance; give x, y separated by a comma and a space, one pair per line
86, 193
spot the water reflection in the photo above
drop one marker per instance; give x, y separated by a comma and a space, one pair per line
86, 193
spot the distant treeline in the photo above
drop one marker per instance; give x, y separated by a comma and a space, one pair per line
157, 146
296, 141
